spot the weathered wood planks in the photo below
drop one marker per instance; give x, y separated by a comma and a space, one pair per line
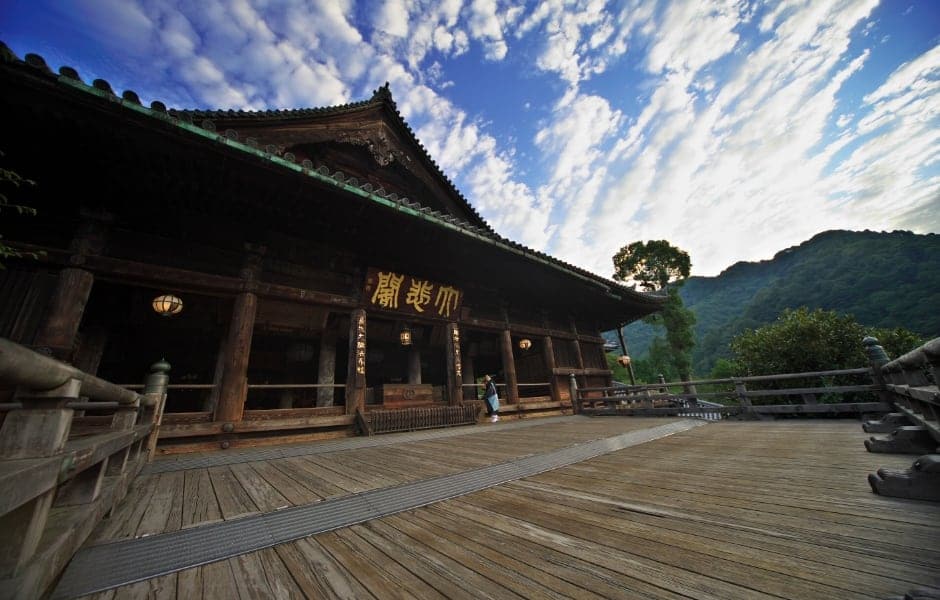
730, 510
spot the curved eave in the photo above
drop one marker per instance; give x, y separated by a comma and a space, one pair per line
616, 295
381, 98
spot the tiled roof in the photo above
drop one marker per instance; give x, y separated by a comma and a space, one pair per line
380, 97
193, 122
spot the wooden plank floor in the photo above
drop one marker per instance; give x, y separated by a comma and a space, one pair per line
729, 510
169, 501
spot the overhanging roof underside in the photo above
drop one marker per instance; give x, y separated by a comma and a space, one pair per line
84, 140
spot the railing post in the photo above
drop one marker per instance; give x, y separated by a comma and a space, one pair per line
575, 399
692, 391
39, 429
932, 352
877, 358
741, 390
155, 386
663, 389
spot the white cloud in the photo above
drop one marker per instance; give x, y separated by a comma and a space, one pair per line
737, 177
487, 24
913, 74
119, 23
730, 154
576, 37
693, 34
580, 124
392, 18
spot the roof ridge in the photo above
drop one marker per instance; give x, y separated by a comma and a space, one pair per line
380, 96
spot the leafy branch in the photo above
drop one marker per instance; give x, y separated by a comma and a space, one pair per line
12, 179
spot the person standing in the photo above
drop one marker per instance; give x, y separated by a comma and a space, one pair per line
491, 398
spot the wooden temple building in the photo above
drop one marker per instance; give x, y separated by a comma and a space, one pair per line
327, 270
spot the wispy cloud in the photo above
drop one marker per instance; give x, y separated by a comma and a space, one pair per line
741, 138
747, 166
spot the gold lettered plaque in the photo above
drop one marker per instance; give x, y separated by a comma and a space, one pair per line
407, 294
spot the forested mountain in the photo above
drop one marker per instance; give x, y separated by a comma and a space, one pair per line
882, 279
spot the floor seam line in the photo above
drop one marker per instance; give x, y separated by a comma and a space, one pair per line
153, 556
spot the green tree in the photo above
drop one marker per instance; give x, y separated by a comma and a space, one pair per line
656, 265
802, 340
11, 181
653, 265
678, 321
725, 369
897, 341
658, 361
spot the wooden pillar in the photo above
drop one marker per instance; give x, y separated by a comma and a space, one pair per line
234, 389
468, 377
577, 346
573, 391
454, 364
212, 400
58, 333
509, 367
414, 365
90, 349
356, 374
549, 353
326, 367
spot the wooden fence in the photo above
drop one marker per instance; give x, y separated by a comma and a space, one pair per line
70, 445
415, 418
740, 396
910, 385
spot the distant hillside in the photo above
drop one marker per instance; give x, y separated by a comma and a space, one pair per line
882, 279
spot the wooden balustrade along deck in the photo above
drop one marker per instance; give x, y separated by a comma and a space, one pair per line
559, 507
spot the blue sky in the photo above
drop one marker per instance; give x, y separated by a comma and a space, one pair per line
733, 129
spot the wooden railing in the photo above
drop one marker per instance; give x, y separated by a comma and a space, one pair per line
60, 480
910, 385
416, 418
744, 396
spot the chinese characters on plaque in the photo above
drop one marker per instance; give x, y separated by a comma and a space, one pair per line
457, 366
361, 345
408, 294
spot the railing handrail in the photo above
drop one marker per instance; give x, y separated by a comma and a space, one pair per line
648, 397
908, 386
916, 358
293, 386
748, 379
84, 475
27, 368
172, 386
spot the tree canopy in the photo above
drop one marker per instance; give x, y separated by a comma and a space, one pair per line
653, 265
805, 340
884, 280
